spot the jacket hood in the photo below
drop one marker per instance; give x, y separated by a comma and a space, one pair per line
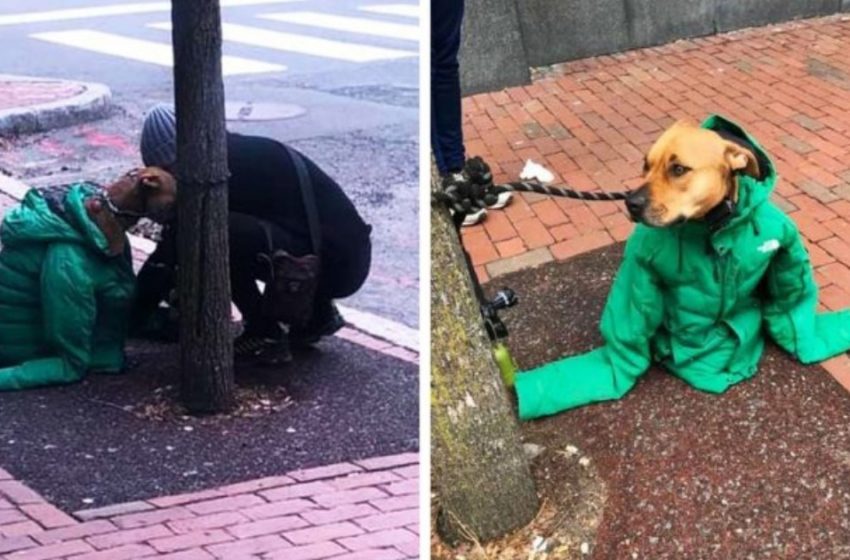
752, 191
34, 221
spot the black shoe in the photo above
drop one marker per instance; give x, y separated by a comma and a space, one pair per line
460, 184
455, 178
326, 321
262, 349
477, 171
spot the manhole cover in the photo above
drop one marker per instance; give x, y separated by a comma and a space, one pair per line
247, 111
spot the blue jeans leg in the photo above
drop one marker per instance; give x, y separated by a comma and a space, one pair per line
446, 118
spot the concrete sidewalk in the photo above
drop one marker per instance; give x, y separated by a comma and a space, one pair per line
29, 104
591, 121
361, 510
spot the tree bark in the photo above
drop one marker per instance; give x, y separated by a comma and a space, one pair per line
481, 473
206, 345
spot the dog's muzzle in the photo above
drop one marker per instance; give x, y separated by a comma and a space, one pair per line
110, 204
636, 203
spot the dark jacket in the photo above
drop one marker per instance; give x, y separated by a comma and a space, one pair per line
264, 184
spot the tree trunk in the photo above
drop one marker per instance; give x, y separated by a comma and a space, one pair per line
481, 473
206, 345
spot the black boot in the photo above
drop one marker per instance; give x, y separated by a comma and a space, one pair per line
326, 321
268, 346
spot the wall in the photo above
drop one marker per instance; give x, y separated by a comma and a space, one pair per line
503, 38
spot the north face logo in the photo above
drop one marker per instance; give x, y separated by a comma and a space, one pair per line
768, 246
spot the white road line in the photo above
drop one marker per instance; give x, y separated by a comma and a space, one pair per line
145, 51
365, 26
406, 10
303, 44
115, 10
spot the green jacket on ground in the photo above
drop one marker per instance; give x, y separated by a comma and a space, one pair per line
64, 302
699, 303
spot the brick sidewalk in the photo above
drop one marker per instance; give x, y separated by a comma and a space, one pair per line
591, 121
364, 510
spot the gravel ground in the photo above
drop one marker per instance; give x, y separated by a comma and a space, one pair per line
762, 471
80, 447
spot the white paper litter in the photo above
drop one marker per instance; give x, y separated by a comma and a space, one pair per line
534, 170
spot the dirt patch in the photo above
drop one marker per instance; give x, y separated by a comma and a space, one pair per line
572, 498
760, 471
163, 405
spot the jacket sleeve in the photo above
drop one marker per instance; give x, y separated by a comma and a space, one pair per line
69, 309
790, 312
633, 312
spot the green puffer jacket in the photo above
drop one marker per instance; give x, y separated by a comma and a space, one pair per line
699, 304
64, 303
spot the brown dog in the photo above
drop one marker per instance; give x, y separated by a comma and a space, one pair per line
687, 172
702, 296
149, 192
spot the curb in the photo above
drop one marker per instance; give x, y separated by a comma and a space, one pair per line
93, 103
381, 327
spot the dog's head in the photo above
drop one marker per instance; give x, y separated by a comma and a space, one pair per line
159, 189
687, 172
149, 192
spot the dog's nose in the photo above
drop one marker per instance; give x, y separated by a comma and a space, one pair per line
636, 203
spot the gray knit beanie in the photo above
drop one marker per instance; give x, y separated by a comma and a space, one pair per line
159, 137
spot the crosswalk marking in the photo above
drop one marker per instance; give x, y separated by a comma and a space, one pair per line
303, 44
116, 10
406, 10
349, 24
146, 51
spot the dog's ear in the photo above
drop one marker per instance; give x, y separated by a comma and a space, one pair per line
742, 159
150, 179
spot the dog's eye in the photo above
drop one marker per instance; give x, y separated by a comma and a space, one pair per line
677, 170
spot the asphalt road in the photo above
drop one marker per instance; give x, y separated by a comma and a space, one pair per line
349, 66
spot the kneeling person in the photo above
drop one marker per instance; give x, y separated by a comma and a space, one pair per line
272, 239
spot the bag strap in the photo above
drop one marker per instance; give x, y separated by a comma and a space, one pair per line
263, 258
309, 197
